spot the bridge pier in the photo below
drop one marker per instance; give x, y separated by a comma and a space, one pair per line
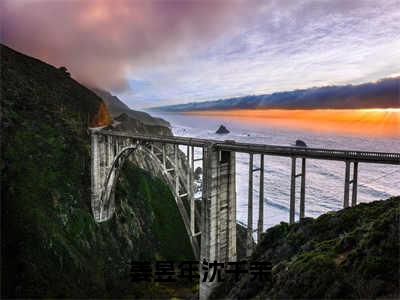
95, 175
249, 240
293, 176
292, 204
104, 149
347, 183
354, 182
303, 188
216, 223
218, 234
220, 205
190, 164
260, 223
260, 227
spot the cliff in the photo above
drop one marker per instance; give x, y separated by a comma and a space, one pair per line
51, 246
352, 253
133, 120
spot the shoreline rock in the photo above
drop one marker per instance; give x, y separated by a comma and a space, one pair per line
222, 130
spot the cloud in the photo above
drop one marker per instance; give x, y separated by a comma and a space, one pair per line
286, 46
154, 53
100, 41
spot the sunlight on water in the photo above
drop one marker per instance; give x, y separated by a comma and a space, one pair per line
367, 130
381, 122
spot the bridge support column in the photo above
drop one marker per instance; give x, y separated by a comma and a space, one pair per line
96, 179
347, 183
293, 176
102, 153
292, 204
354, 181
164, 156
189, 175
218, 234
261, 201
303, 188
104, 171
176, 170
249, 243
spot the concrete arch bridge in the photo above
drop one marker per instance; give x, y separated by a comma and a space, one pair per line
210, 219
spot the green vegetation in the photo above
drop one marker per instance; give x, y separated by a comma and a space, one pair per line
51, 246
353, 253
149, 199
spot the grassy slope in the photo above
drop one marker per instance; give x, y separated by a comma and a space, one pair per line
353, 253
50, 244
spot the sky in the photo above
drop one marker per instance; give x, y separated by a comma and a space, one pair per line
154, 53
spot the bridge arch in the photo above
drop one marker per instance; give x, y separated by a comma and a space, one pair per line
212, 227
218, 207
104, 206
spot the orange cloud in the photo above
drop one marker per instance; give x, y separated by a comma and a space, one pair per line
99, 41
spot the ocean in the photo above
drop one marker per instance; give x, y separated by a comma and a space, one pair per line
324, 180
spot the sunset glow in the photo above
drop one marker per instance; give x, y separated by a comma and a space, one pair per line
157, 53
368, 122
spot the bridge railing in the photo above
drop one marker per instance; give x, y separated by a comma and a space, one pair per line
289, 151
215, 165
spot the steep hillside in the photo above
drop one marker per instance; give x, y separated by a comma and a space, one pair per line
134, 121
117, 108
51, 246
352, 253
382, 94
125, 123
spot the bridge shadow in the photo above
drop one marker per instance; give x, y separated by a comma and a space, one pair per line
171, 172
146, 204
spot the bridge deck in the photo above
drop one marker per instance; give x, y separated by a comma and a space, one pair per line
288, 151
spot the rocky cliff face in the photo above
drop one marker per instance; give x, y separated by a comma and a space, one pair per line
132, 120
352, 253
125, 123
51, 247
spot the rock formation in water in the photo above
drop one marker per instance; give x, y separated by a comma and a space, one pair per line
300, 143
222, 130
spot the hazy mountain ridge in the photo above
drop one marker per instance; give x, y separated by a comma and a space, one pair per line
384, 93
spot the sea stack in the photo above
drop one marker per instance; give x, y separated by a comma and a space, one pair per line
222, 130
300, 143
